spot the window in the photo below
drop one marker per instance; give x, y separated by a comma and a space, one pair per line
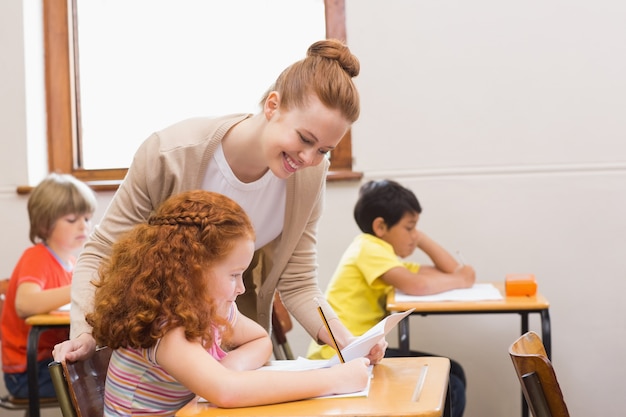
66, 137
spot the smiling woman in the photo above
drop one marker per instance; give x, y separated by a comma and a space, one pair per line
271, 163
148, 72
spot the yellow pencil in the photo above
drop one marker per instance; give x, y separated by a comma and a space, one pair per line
332, 337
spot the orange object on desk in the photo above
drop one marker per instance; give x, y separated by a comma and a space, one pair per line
520, 285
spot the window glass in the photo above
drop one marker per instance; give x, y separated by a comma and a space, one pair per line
145, 64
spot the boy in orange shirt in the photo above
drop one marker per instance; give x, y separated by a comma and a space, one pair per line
60, 210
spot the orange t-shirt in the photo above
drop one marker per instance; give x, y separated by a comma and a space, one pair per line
37, 265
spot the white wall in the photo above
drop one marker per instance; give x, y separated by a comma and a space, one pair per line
507, 120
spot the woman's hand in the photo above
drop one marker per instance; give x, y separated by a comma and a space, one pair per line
74, 350
344, 338
377, 353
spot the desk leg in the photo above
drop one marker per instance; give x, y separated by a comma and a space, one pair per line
546, 337
546, 332
403, 335
31, 366
447, 410
524, 322
524, 330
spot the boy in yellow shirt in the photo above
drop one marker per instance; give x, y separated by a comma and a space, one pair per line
387, 213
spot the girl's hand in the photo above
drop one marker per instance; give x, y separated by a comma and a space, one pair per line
351, 376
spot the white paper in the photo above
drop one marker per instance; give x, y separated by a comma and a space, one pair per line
364, 393
478, 292
300, 364
364, 343
357, 349
303, 364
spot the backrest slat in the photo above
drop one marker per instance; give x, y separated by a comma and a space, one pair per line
538, 403
535, 372
86, 380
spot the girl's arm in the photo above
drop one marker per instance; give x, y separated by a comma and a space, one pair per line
192, 366
252, 346
31, 299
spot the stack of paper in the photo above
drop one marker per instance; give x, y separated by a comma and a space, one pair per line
479, 292
303, 364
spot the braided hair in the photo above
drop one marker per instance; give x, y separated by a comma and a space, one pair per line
155, 279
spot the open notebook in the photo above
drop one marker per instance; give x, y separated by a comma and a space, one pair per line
303, 364
364, 343
358, 348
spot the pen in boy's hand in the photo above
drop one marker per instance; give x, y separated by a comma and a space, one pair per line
460, 258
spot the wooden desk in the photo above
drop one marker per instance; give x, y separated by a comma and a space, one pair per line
391, 392
40, 323
521, 305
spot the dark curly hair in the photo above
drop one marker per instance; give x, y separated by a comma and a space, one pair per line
155, 279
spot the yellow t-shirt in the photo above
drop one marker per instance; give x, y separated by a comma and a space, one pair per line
356, 292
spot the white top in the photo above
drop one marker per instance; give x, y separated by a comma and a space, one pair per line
266, 218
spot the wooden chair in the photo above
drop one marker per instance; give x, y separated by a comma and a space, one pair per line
80, 385
537, 377
9, 402
281, 324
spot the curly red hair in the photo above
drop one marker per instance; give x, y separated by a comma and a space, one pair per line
156, 277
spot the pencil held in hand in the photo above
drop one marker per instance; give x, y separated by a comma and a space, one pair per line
332, 337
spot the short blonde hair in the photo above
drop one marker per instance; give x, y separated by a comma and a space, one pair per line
56, 196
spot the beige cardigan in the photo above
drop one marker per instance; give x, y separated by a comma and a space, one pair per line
175, 160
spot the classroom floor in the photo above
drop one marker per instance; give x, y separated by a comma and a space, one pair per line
46, 412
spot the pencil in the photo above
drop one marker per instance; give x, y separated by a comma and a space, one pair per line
461, 259
332, 337
420, 383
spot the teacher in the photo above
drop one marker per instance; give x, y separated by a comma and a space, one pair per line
272, 163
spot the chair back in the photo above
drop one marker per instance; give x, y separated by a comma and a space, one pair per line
537, 377
80, 385
281, 324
